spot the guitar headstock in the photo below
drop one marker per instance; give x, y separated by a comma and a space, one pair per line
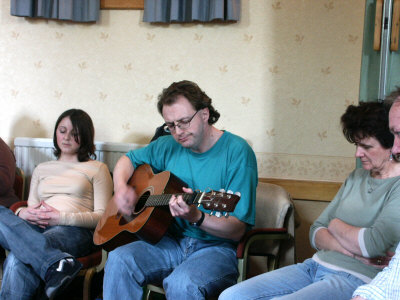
219, 201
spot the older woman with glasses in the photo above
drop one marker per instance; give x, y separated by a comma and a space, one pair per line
354, 232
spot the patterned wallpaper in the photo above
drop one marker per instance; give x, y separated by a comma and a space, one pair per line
281, 77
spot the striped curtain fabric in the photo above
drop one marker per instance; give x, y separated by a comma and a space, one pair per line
167, 11
72, 10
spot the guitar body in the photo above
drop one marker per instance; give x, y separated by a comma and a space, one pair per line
147, 223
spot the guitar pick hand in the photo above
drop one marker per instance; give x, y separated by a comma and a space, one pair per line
125, 198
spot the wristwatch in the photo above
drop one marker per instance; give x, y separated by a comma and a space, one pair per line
200, 221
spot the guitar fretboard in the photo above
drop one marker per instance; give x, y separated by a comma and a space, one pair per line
163, 200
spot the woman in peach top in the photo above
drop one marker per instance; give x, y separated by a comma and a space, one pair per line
67, 198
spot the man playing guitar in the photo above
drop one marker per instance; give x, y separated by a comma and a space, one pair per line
196, 258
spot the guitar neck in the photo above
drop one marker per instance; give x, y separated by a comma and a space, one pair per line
163, 200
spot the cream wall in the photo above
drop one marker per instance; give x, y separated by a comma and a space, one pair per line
281, 77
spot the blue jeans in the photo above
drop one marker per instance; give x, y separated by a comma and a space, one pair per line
33, 250
187, 268
305, 281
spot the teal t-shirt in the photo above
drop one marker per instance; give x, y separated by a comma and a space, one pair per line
230, 165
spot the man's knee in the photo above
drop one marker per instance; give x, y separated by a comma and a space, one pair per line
121, 260
181, 289
12, 263
227, 294
114, 258
185, 286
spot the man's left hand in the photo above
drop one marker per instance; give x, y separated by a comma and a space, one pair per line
180, 209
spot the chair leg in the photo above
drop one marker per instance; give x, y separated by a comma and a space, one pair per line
242, 269
273, 262
87, 283
153, 288
148, 292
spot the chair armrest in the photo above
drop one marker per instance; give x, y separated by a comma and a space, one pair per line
260, 234
17, 205
92, 259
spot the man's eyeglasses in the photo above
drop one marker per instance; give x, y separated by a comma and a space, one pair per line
183, 124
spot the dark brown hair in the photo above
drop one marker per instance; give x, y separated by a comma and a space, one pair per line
368, 119
83, 126
192, 93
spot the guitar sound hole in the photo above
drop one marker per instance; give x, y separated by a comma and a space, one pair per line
141, 203
125, 219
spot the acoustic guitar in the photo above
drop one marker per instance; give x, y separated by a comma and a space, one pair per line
151, 217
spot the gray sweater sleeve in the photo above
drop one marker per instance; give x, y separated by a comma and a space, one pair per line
326, 216
384, 233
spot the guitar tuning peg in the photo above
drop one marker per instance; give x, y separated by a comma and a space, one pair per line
218, 214
226, 215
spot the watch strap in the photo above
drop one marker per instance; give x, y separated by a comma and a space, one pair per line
200, 221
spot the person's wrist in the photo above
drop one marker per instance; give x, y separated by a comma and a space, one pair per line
199, 221
19, 210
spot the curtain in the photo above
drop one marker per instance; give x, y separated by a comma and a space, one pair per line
72, 10
166, 11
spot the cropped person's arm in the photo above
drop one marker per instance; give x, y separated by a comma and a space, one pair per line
7, 174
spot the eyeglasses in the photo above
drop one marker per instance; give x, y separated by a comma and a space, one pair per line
182, 124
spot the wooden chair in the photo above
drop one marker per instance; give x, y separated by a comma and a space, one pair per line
92, 263
270, 244
271, 239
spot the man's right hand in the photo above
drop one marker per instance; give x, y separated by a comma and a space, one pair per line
124, 195
125, 198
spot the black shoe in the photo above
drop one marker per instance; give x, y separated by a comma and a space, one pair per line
60, 275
